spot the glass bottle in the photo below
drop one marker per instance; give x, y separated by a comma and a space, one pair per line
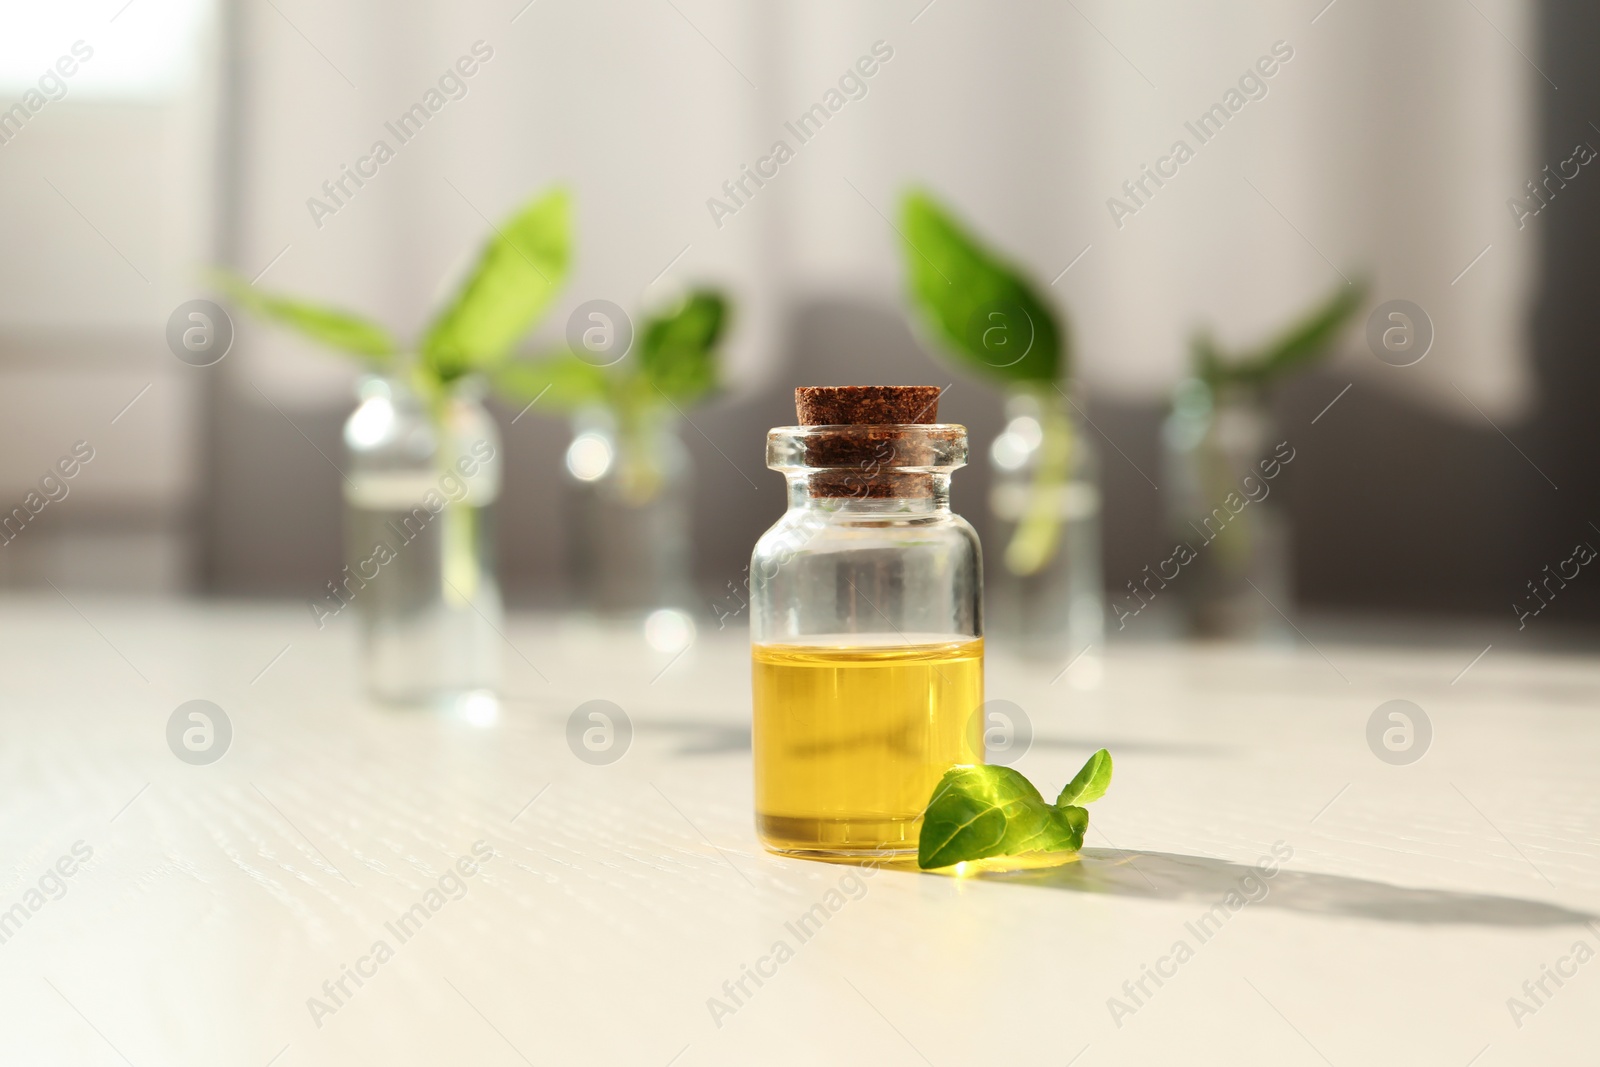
628, 500
1045, 497
867, 638
1230, 563
421, 482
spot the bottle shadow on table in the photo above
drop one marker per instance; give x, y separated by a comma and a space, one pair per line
1207, 881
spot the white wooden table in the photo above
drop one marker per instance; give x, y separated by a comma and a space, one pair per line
219, 899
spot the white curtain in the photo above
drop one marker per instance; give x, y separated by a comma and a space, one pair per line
1385, 142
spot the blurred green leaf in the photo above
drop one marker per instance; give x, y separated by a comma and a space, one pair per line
333, 327
1300, 345
521, 268
677, 350
982, 309
676, 360
560, 382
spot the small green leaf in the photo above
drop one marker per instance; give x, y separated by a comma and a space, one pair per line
521, 268
1091, 782
561, 382
981, 811
343, 330
984, 810
959, 826
677, 350
983, 309
967, 817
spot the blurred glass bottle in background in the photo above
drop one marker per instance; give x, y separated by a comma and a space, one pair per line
1222, 505
627, 487
1221, 459
422, 479
1048, 601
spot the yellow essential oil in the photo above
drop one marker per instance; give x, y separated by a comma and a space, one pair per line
851, 736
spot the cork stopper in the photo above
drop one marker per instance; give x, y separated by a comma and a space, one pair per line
858, 460
866, 405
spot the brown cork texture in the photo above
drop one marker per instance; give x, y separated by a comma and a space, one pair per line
859, 463
866, 405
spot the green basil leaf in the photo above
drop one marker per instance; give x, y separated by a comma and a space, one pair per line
561, 382
982, 309
959, 827
1072, 823
982, 811
677, 350
333, 327
1090, 784
518, 273
1044, 829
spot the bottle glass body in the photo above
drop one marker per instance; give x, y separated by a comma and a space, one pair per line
1045, 498
867, 639
422, 481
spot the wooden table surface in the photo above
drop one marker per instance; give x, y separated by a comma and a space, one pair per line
1423, 913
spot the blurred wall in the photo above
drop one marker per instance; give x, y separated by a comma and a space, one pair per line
107, 182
